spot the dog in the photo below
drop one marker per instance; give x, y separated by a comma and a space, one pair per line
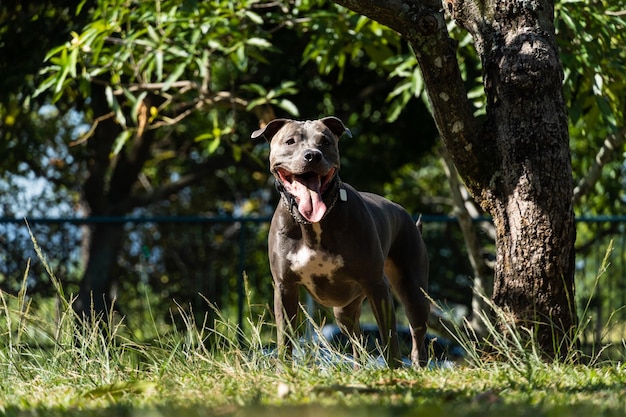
342, 245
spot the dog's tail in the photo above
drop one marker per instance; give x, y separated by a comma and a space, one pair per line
418, 223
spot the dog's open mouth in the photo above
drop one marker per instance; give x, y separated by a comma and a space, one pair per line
307, 188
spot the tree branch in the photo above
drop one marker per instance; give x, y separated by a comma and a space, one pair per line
194, 176
611, 144
462, 213
423, 25
180, 84
399, 15
169, 189
483, 272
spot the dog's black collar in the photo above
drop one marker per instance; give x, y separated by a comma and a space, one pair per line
335, 189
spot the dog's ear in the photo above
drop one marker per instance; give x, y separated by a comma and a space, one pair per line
270, 129
336, 126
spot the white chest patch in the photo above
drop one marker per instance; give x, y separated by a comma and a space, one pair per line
309, 262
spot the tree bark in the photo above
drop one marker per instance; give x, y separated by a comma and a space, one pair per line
517, 164
531, 192
94, 300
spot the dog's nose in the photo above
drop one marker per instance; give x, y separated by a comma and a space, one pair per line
313, 155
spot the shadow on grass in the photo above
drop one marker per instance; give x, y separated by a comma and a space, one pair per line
449, 409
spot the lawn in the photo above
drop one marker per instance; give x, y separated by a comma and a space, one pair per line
58, 367
52, 365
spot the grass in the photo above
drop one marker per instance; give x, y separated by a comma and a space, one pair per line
52, 365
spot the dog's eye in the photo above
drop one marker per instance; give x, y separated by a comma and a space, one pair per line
325, 142
290, 141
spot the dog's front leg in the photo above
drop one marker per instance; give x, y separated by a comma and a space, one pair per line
285, 311
347, 318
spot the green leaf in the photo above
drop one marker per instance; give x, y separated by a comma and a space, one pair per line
202, 63
237, 152
174, 76
598, 83
153, 35
178, 51
213, 145
203, 136
256, 102
158, 58
89, 37
79, 8
146, 68
418, 82
120, 141
288, 87
401, 87
137, 101
240, 58
607, 112
54, 51
72, 62
395, 108
260, 42
65, 69
255, 88
363, 20
115, 106
84, 86
568, 20
215, 45
254, 17
288, 106
194, 41
45, 84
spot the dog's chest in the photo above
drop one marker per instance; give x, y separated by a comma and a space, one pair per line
312, 262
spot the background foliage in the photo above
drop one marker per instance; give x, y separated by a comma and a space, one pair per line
195, 78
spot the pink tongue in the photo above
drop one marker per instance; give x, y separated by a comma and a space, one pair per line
310, 203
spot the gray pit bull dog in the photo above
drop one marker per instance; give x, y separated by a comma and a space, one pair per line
342, 245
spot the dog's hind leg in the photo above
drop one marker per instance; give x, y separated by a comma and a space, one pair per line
381, 302
409, 284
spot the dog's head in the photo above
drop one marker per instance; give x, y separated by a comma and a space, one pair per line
304, 158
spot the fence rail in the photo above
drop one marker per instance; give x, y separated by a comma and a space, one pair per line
184, 256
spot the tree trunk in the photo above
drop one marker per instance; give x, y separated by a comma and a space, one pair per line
105, 241
107, 191
111, 189
517, 164
530, 194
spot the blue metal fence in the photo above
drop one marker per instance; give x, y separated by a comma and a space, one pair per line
209, 255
